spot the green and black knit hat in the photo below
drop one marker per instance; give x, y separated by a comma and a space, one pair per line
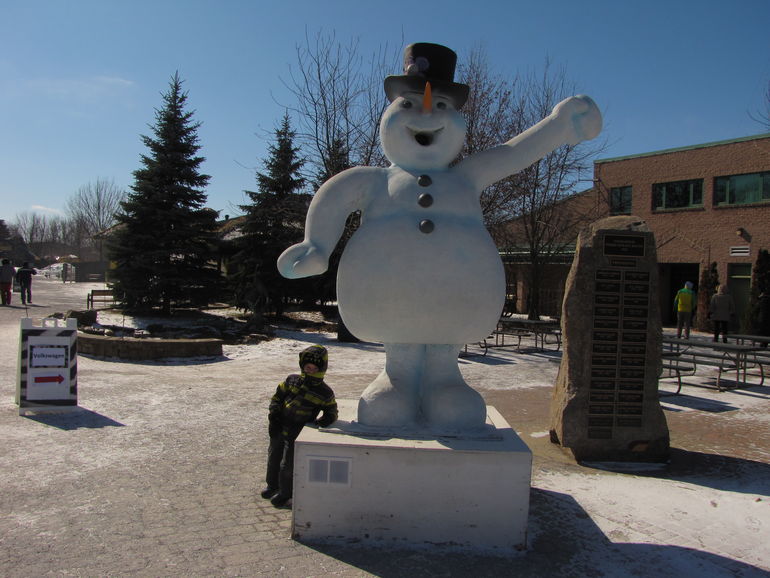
318, 356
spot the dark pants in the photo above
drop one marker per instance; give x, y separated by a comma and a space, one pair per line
683, 321
5, 289
280, 459
720, 327
26, 292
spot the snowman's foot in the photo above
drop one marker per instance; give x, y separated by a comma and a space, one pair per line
454, 406
388, 401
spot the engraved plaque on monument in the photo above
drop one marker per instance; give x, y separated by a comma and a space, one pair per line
605, 403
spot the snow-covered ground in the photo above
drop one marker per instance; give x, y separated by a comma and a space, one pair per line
705, 514
724, 510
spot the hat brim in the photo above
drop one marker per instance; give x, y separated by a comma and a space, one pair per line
395, 86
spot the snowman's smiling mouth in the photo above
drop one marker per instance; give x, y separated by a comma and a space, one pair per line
425, 137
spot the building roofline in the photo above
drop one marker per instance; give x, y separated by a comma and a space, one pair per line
687, 148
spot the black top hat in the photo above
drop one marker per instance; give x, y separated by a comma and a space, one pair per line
424, 62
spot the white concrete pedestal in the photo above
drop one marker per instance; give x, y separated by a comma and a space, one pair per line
353, 482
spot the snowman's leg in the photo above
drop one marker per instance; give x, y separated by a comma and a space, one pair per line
393, 399
447, 401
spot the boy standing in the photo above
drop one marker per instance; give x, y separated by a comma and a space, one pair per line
297, 400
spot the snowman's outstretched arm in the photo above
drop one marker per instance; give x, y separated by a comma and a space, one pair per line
572, 121
341, 195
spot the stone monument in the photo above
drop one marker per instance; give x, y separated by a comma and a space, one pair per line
605, 403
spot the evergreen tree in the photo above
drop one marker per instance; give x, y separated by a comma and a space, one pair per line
164, 246
5, 232
336, 161
760, 285
273, 223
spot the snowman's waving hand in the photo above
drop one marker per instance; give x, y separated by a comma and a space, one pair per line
302, 260
341, 195
572, 121
583, 118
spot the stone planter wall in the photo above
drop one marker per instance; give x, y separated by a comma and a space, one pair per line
147, 348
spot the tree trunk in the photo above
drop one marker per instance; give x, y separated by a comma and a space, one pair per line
533, 295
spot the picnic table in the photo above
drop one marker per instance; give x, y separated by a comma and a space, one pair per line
761, 340
724, 356
511, 330
541, 329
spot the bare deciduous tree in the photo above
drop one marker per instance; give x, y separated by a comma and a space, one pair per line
92, 209
338, 101
89, 210
33, 227
548, 228
524, 210
93, 206
492, 116
763, 116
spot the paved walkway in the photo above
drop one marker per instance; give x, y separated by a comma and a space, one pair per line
158, 473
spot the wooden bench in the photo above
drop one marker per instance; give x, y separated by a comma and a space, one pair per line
102, 296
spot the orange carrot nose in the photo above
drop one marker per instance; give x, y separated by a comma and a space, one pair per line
427, 100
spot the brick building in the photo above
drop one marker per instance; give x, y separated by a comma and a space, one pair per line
705, 203
559, 225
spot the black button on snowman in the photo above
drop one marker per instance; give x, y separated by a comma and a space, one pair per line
425, 200
425, 277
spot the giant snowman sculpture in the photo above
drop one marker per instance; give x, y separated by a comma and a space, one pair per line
421, 274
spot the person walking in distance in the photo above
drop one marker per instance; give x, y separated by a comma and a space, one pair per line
684, 305
721, 312
7, 272
24, 277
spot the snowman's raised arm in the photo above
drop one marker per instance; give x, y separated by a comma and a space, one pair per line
341, 195
572, 121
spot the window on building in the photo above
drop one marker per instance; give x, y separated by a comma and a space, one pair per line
678, 194
742, 189
620, 201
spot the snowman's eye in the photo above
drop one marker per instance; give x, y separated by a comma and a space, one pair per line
406, 104
441, 105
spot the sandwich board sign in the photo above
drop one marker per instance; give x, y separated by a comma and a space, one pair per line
47, 370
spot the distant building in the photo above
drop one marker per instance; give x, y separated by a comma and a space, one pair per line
705, 203
565, 220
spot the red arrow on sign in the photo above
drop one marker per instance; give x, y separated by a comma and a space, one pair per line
49, 379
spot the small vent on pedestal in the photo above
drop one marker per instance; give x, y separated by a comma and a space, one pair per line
332, 471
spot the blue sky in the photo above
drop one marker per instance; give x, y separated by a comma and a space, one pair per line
80, 79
